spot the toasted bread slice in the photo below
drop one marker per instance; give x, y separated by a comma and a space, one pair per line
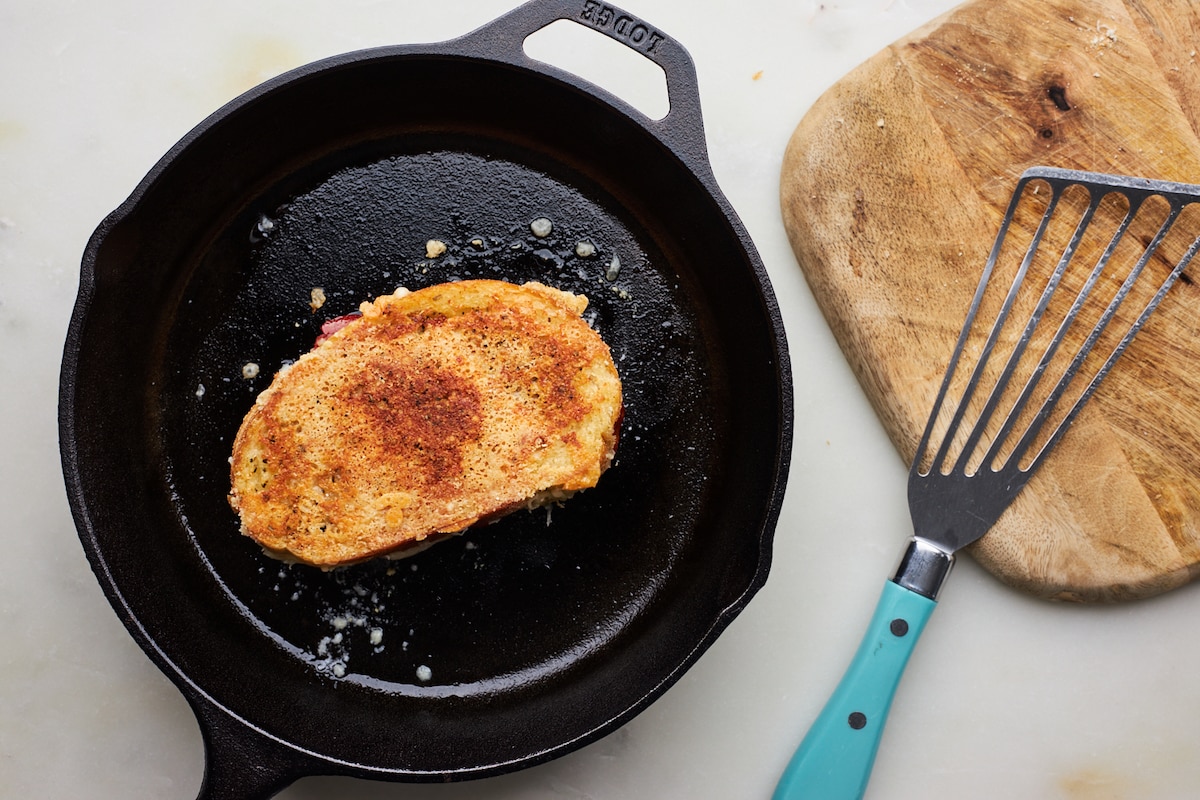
435, 410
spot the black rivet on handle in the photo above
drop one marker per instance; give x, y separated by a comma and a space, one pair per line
858, 720
899, 627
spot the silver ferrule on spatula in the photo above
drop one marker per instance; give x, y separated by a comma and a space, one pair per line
923, 567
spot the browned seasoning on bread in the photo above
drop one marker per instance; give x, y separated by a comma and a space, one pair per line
437, 409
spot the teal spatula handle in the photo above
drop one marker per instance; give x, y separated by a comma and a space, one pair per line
834, 760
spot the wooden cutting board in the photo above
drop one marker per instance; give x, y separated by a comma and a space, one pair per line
892, 189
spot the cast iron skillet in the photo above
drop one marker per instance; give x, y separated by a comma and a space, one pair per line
516, 642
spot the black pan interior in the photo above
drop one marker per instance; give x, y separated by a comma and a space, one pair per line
517, 640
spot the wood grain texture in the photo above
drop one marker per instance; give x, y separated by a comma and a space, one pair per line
892, 189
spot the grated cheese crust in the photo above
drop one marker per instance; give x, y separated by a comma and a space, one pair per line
437, 410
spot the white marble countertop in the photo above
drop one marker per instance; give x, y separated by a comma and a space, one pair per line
1006, 697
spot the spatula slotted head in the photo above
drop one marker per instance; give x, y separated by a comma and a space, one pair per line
1080, 262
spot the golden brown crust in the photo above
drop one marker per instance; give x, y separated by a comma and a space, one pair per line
437, 409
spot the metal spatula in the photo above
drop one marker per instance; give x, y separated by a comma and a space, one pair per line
1112, 247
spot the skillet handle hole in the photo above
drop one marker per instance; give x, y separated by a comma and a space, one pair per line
603, 61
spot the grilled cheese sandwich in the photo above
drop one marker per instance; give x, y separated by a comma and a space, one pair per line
434, 411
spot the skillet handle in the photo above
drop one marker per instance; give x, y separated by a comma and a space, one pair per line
683, 126
240, 763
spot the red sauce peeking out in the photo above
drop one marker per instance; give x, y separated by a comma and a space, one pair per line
332, 326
